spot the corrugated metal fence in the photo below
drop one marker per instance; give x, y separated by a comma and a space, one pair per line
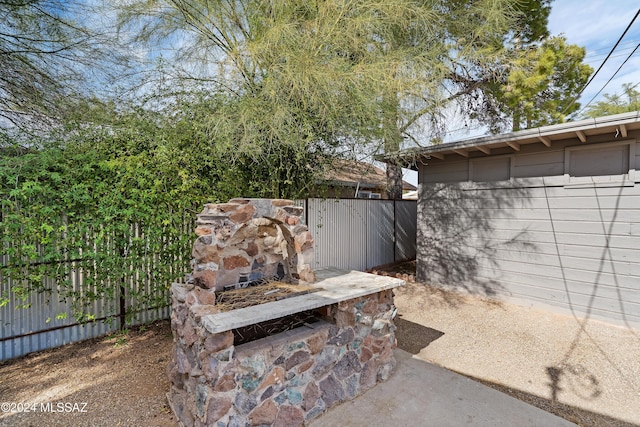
358, 234
349, 234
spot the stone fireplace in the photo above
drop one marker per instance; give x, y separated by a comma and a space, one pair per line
323, 345
250, 239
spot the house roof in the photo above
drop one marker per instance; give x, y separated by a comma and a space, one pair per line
619, 125
352, 173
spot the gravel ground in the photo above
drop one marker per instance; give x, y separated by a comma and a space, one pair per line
586, 372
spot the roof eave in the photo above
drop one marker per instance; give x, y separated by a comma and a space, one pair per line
543, 134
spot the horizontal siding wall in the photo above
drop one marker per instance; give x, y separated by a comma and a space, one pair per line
574, 248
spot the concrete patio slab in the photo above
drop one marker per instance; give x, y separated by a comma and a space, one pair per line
422, 394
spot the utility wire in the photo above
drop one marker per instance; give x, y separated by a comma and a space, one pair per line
603, 62
609, 81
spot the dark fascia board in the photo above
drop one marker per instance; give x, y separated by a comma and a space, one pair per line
543, 135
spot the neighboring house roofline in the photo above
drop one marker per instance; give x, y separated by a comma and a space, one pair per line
619, 124
354, 173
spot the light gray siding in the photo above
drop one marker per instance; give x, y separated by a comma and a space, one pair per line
556, 242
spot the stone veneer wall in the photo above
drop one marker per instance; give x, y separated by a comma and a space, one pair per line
250, 239
285, 379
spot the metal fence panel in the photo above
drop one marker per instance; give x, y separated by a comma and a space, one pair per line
25, 330
380, 239
357, 234
405, 229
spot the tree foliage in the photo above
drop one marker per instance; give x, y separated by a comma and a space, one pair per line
542, 83
52, 53
115, 201
627, 101
328, 73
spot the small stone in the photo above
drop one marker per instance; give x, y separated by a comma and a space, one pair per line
295, 346
205, 279
245, 403
209, 366
179, 291
203, 230
281, 202
281, 398
297, 358
289, 416
252, 249
225, 383
303, 241
275, 377
331, 391
218, 408
314, 412
182, 362
347, 366
311, 395
353, 386
265, 414
294, 396
370, 307
224, 356
365, 355
345, 319
222, 208
199, 311
267, 393
204, 296
235, 261
325, 361
217, 342
305, 366
243, 214
200, 398
239, 201
369, 374
343, 338
189, 334
294, 210
178, 404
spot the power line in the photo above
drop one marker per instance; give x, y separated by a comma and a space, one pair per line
603, 62
609, 81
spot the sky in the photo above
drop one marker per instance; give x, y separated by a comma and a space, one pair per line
597, 25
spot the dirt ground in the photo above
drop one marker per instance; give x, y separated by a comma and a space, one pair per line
118, 380
586, 372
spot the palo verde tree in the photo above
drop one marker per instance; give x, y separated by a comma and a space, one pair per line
315, 76
52, 52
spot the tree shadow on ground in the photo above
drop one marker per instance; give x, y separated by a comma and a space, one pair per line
413, 337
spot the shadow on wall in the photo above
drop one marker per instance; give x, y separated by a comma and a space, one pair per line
457, 245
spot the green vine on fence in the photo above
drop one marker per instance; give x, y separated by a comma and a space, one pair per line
113, 197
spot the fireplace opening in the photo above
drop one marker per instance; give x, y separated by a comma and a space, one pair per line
269, 328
